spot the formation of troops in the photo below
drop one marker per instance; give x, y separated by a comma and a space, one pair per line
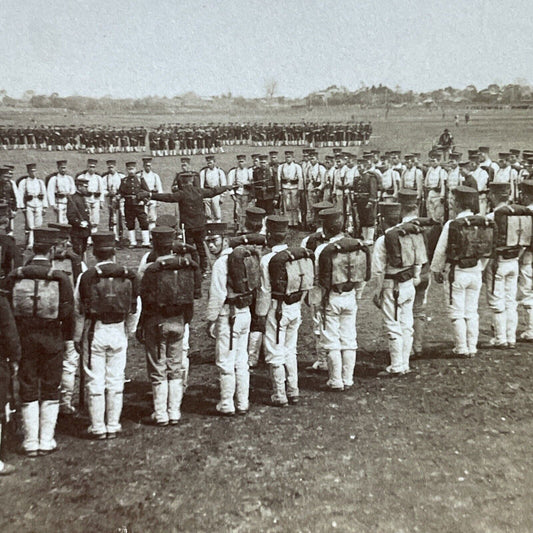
394, 221
182, 139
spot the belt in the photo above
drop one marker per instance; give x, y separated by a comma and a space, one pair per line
61, 195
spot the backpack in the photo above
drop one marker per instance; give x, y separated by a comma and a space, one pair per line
342, 264
36, 293
110, 293
470, 238
432, 230
244, 276
406, 246
168, 283
291, 273
513, 227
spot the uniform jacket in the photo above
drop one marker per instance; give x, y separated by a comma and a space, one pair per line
77, 212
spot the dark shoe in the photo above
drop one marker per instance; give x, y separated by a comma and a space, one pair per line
31, 453
151, 421
112, 435
174, 421
97, 436
42, 453
278, 403
293, 400
226, 413
335, 389
386, 374
242, 412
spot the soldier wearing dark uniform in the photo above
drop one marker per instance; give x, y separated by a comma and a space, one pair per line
9, 253
44, 323
78, 216
7, 195
366, 193
264, 187
129, 190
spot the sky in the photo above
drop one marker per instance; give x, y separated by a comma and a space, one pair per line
133, 48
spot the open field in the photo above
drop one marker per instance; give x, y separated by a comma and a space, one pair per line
447, 448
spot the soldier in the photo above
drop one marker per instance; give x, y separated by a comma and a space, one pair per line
395, 290
445, 143
366, 193
96, 192
168, 288
481, 178
435, 187
107, 311
264, 188
279, 308
507, 174
241, 176
44, 324
212, 177
185, 170
78, 216
130, 190
525, 276
234, 280
9, 363
486, 163
9, 253
32, 191
190, 201
412, 178
112, 180
290, 179
8, 196
60, 186
454, 180
153, 182
315, 182
464, 274
390, 180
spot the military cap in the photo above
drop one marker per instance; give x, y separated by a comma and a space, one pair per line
367, 156
162, 235
255, 214
82, 179
465, 193
416, 155
209, 157
277, 223
241, 157
527, 153
484, 149
263, 157
329, 157
337, 150
185, 159
289, 152
213, 229
9, 166
64, 229
434, 154
408, 157
92, 161
407, 196
130, 164
104, 240
456, 156
473, 156
514, 151
464, 164
167, 220
330, 215
256, 156
46, 236
504, 155
346, 154
61, 162
319, 206
390, 210
366, 153
527, 187
272, 152
395, 152
307, 150
147, 159
500, 188
111, 162
4, 209
375, 152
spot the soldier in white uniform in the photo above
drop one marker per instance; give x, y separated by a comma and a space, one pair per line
412, 177
211, 177
32, 192
60, 186
507, 174
434, 185
482, 180
315, 179
485, 161
96, 190
394, 295
153, 181
290, 178
454, 180
525, 275
466, 282
242, 176
390, 179
112, 180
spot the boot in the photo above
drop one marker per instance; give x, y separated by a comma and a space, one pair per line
254, 348
146, 238
277, 376
96, 405
335, 370
161, 395
348, 367
113, 405
30, 423
132, 238
175, 396
47, 422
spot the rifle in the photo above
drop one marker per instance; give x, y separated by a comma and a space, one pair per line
303, 204
81, 399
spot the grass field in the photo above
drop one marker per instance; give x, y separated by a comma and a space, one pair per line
445, 449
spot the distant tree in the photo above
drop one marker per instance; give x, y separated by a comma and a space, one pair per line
271, 87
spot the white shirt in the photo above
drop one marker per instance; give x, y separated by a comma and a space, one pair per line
212, 177
112, 182
60, 183
152, 180
33, 187
315, 176
482, 178
240, 176
290, 171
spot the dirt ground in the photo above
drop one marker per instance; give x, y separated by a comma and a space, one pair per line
446, 448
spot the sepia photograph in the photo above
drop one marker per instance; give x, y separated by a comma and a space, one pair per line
266, 266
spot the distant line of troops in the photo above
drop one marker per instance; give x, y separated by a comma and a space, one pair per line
61, 309
182, 139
